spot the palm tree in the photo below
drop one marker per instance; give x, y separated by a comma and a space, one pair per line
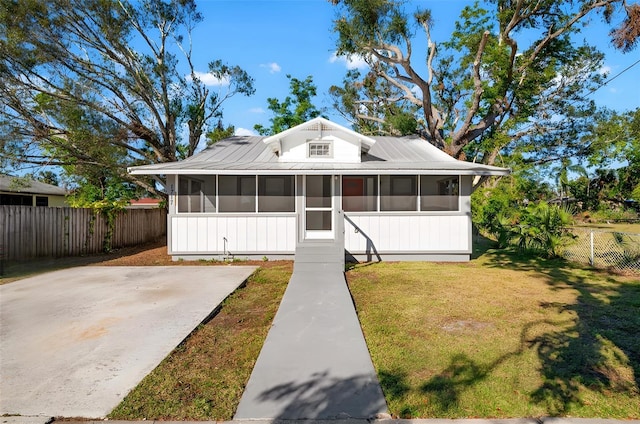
562, 176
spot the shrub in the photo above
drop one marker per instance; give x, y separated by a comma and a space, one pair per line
539, 228
543, 229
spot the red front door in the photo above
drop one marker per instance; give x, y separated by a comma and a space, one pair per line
353, 194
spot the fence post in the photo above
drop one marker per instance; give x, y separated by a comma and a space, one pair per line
591, 258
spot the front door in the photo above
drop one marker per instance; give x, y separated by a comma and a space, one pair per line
318, 212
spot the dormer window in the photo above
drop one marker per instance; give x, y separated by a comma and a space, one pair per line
320, 150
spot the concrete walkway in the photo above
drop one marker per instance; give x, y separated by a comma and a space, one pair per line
76, 341
314, 363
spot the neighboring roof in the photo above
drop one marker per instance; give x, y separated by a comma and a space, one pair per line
145, 201
250, 155
8, 184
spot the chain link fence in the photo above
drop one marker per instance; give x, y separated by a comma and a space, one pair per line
613, 250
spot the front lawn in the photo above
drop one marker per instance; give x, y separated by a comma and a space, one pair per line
502, 336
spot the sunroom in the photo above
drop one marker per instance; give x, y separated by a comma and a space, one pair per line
397, 198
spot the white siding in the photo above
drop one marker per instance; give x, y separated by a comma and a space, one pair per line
296, 150
261, 234
408, 233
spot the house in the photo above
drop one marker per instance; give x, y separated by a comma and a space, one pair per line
389, 197
17, 191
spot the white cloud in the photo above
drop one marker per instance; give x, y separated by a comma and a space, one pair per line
243, 131
256, 110
351, 62
210, 79
273, 67
605, 70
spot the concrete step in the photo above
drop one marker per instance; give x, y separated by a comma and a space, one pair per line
328, 254
319, 255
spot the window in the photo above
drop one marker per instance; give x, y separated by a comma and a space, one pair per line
360, 193
398, 193
319, 150
439, 193
42, 201
276, 193
237, 193
16, 200
196, 195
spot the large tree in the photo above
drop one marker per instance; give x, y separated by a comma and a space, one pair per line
295, 109
105, 84
511, 79
613, 145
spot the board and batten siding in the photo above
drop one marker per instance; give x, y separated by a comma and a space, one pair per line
408, 233
245, 234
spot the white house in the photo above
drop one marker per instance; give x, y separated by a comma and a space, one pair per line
394, 198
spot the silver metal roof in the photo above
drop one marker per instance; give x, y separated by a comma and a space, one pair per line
249, 155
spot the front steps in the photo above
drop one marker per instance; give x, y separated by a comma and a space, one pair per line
329, 254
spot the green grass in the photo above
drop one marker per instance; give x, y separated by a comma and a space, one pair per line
502, 336
619, 227
204, 377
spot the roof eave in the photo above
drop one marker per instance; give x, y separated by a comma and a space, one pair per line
322, 171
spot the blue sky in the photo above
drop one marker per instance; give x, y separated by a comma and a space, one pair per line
272, 38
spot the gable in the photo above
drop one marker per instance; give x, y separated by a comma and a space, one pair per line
319, 140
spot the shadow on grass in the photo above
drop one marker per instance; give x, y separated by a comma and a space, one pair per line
444, 389
599, 348
595, 344
482, 245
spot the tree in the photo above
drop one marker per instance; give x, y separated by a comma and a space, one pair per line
105, 84
219, 133
294, 109
45, 176
562, 176
373, 106
488, 90
614, 142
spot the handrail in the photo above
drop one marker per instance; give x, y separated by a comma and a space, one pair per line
370, 245
225, 250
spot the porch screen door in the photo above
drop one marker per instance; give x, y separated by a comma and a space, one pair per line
318, 207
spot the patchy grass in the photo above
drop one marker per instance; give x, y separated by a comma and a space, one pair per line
502, 336
204, 377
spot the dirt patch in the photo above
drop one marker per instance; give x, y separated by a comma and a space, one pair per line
148, 254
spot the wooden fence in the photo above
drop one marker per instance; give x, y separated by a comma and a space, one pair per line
29, 232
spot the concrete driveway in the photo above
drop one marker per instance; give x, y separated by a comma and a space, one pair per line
74, 342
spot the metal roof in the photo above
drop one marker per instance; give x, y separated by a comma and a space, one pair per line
249, 155
9, 184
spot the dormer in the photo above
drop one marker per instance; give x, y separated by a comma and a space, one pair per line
319, 140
